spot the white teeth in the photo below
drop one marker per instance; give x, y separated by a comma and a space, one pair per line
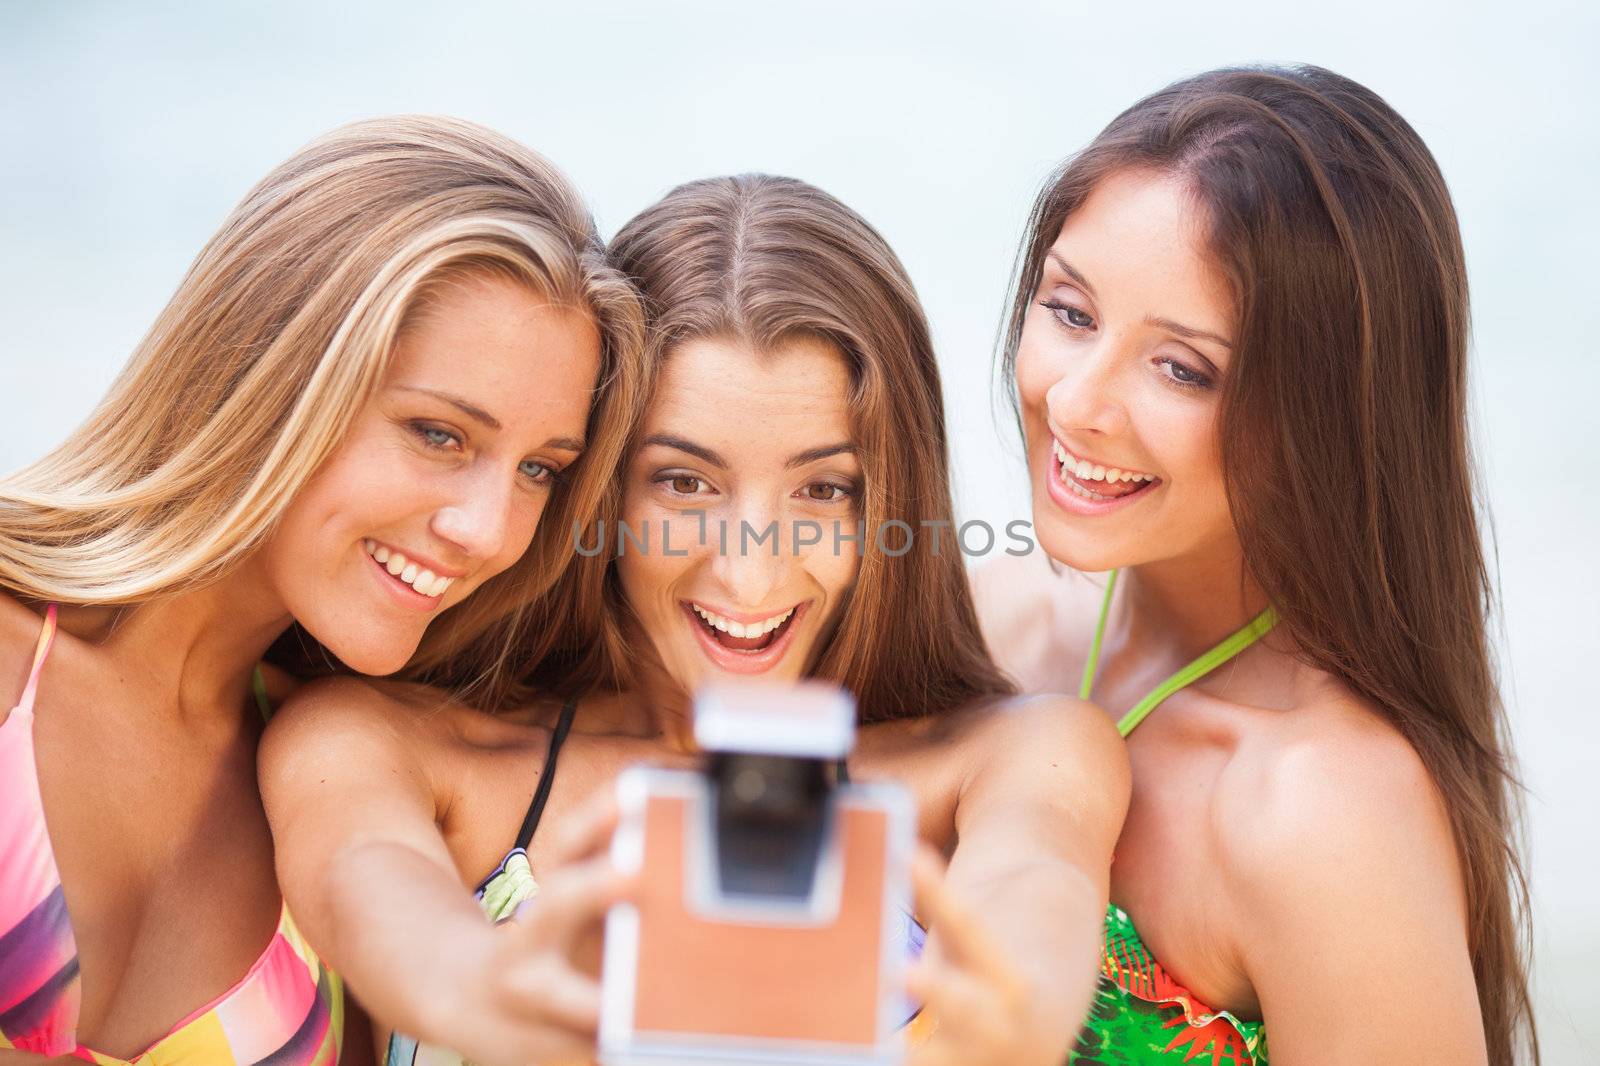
741, 629
423, 580
1084, 470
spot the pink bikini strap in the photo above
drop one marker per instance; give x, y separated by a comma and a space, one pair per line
47, 636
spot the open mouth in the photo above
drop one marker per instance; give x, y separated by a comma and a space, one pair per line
740, 636
1095, 483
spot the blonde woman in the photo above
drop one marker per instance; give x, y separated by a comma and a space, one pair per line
367, 390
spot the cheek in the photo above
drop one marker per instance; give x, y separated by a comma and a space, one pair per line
834, 572
307, 545
1036, 369
649, 577
1187, 447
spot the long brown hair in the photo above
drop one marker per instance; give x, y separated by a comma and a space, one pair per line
280, 331
1334, 227
761, 260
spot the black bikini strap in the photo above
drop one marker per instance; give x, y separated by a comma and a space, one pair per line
530, 821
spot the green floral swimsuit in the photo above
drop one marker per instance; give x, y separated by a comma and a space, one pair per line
1140, 1016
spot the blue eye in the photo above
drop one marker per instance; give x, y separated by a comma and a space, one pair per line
1071, 317
434, 436
534, 470
1182, 375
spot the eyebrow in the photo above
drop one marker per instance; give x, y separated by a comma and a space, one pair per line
666, 440
1186, 332
478, 414
1070, 271
471, 410
810, 455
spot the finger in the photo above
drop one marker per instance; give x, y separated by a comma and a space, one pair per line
970, 1015
586, 832
961, 936
571, 900
946, 991
571, 1000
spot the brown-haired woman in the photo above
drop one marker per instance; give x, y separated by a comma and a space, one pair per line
1238, 343
795, 390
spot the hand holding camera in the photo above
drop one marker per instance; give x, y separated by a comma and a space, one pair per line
985, 1012
538, 998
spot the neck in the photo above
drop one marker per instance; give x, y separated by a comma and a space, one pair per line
1188, 604
199, 648
666, 710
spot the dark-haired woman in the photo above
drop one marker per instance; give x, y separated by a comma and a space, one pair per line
795, 396
1238, 345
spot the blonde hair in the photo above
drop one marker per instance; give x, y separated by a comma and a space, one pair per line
279, 333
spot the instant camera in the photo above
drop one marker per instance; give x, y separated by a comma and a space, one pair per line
769, 926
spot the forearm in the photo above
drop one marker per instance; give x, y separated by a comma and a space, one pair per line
1047, 917
403, 931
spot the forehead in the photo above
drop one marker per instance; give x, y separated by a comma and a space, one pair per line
730, 388
1143, 236
505, 348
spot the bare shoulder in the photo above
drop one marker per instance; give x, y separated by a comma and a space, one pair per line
352, 727
1044, 726
1057, 749
1343, 811
19, 635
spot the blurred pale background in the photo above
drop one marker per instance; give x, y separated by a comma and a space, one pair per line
128, 131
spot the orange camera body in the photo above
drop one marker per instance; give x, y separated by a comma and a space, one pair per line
769, 923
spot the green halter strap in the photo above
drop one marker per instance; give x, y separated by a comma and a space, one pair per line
1230, 646
258, 688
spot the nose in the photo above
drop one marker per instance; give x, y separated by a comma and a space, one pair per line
757, 557
1088, 396
479, 518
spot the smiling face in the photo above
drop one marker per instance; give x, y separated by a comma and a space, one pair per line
443, 474
755, 441
1119, 370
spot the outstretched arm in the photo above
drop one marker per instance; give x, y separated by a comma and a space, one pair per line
1036, 820
365, 870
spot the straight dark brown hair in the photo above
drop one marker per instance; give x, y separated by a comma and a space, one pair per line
1332, 222
760, 261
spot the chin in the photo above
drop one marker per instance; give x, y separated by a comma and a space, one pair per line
1077, 552
371, 660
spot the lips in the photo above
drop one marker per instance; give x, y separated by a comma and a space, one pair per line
1080, 486
743, 654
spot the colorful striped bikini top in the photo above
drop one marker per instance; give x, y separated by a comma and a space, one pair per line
287, 1010
1140, 1015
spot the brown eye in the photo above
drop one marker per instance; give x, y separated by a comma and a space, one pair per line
825, 492
685, 484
